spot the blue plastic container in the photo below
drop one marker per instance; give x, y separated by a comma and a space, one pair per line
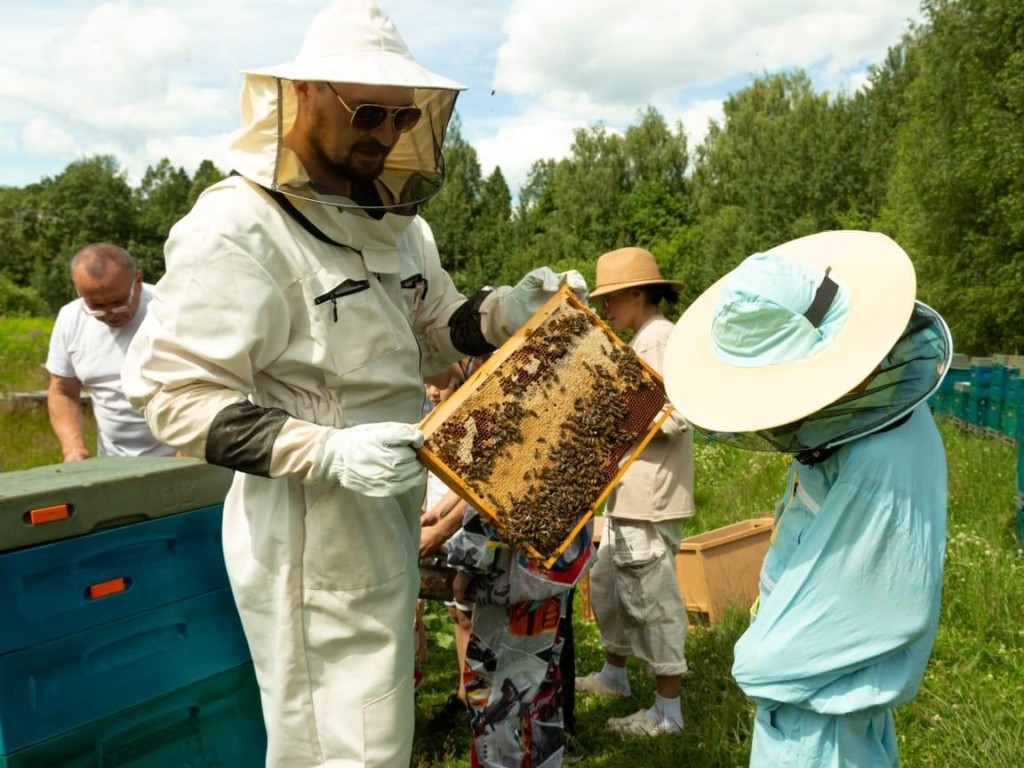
54, 590
59, 501
944, 401
981, 371
977, 408
213, 723
961, 398
996, 395
52, 688
1011, 405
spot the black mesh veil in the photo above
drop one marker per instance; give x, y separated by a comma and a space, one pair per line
908, 375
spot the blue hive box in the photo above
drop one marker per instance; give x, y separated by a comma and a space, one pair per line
59, 501
68, 586
52, 688
213, 723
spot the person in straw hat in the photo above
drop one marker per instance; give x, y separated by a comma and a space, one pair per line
304, 301
817, 348
633, 588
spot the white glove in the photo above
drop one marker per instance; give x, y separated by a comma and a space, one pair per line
533, 291
373, 459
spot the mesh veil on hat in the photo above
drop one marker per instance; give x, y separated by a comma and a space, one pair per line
349, 41
628, 268
775, 347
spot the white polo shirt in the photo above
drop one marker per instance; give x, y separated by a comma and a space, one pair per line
86, 349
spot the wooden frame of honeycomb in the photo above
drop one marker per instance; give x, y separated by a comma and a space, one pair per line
541, 433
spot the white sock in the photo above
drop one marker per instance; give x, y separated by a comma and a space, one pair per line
616, 676
666, 711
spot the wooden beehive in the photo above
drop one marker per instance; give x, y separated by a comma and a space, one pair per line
539, 435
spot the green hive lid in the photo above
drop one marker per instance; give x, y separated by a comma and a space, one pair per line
59, 501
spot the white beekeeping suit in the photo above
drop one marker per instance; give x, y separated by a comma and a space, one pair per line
287, 341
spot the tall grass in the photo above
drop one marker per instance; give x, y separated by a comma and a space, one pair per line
23, 346
26, 439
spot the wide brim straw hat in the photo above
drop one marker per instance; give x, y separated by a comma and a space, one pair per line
354, 41
744, 357
628, 268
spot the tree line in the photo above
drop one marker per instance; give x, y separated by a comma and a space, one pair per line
930, 151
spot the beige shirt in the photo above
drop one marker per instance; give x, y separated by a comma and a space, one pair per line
659, 484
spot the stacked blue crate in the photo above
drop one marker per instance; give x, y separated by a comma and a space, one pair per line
999, 377
944, 401
977, 398
1011, 405
213, 723
961, 398
120, 629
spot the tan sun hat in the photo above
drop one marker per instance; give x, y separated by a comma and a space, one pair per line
771, 343
628, 268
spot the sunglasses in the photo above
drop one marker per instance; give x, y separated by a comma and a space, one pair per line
120, 309
369, 117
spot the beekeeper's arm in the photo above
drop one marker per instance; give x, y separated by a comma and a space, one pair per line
450, 326
215, 322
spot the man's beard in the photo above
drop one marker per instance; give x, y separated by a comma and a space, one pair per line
348, 169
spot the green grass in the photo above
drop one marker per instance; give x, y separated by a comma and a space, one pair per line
23, 346
26, 439
966, 713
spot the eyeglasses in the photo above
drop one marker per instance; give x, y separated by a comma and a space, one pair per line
369, 117
121, 309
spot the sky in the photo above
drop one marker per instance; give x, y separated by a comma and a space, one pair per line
147, 79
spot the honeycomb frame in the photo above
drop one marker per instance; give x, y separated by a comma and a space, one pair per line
514, 439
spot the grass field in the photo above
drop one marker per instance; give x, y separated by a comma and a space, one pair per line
966, 714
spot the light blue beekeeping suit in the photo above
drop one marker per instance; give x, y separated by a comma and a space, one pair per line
849, 601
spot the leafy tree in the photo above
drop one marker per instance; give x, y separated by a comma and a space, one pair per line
206, 175
786, 162
611, 191
19, 222
956, 197
90, 201
492, 240
451, 211
469, 216
160, 200
18, 301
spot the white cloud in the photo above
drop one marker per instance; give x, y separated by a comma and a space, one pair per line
614, 55
188, 151
42, 137
696, 116
160, 77
517, 144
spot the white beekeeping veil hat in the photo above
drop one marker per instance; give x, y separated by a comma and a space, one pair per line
349, 41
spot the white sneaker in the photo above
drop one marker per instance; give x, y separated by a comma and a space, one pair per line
638, 724
594, 683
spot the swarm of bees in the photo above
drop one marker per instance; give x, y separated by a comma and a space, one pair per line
537, 441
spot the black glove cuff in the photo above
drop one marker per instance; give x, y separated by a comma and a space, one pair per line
464, 325
242, 437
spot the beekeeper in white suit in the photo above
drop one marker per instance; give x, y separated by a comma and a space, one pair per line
303, 302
